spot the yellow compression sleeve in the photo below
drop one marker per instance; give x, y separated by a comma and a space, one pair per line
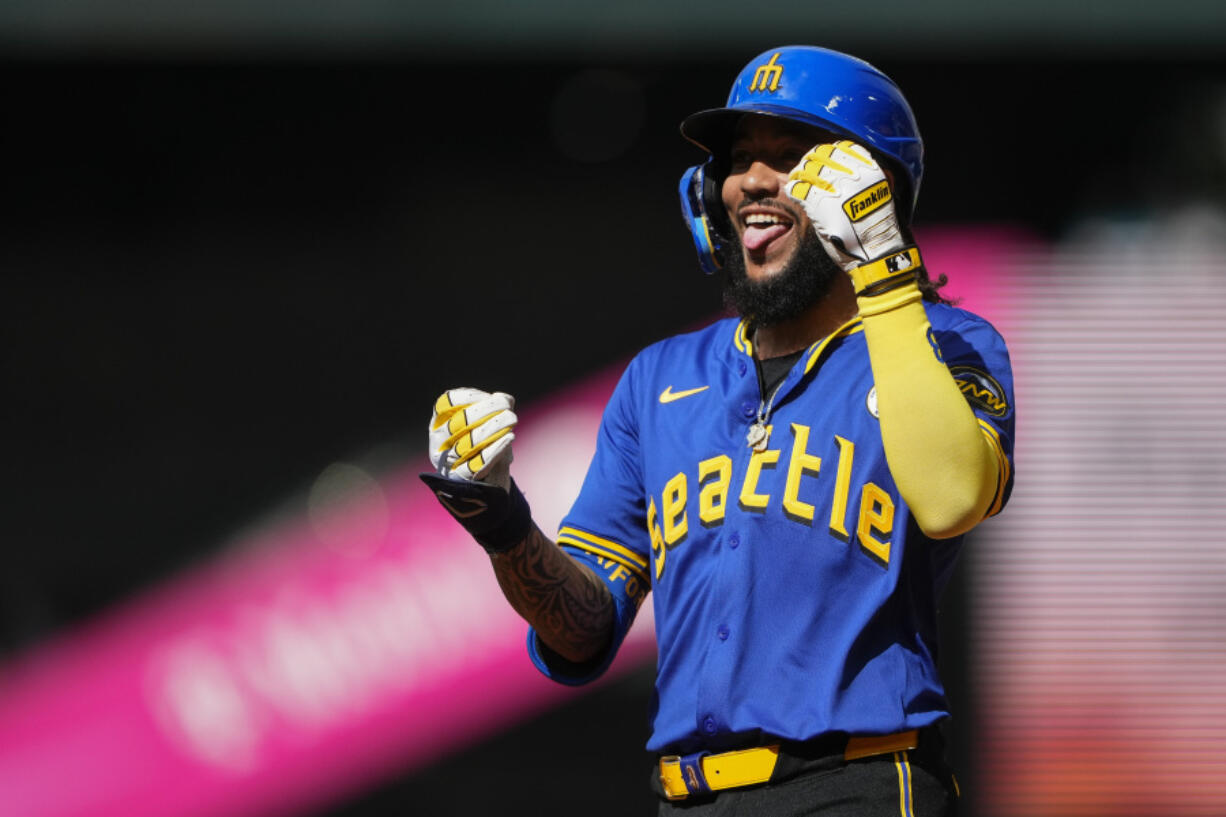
942, 462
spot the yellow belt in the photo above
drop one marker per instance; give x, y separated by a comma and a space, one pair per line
745, 767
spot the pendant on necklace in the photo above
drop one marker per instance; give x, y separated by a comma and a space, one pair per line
757, 437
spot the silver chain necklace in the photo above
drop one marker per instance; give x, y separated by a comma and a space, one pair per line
759, 434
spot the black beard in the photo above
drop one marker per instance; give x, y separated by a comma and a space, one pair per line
804, 281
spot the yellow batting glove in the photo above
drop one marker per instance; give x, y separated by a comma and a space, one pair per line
470, 435
849, 200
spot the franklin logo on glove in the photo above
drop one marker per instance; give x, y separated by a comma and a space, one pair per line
864, 203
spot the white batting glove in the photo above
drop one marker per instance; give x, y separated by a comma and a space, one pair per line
849, 200
470, 436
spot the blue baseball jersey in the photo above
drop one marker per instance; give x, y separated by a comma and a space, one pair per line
794, 594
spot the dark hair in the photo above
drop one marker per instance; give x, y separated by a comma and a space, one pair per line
928, 288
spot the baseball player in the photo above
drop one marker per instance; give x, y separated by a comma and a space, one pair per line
790, 485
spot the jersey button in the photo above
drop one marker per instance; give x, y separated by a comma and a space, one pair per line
722, 632
734, 541
741, 367
708, 725
749, 409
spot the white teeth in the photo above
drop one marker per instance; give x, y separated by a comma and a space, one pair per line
761, 219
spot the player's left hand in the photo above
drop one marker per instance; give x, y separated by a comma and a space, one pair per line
848, 198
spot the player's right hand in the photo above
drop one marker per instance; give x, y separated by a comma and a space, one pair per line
470, 436
470, 447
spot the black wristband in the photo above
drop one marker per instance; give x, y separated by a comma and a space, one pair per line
499, 520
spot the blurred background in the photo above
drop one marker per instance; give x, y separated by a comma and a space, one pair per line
233, 239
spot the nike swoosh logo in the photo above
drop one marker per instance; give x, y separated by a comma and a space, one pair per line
476, 504
668, 395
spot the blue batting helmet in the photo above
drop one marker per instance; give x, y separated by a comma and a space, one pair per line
815, 86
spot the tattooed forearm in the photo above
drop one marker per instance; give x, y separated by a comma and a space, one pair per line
568, 606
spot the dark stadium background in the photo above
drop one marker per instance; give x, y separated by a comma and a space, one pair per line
219, 274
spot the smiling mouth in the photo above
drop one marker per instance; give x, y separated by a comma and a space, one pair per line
761, 228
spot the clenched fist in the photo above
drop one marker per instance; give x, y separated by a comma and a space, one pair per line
470, 435
470, 448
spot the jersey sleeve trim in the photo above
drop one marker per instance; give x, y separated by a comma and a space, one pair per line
607, 549
1002, 466
628, 591
556, 668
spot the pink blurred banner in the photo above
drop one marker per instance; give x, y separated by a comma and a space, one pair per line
325, 651
975, 260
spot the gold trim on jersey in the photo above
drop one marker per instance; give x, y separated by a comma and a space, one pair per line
1002, 466
607, 549
740, 338
743, 343
815, 351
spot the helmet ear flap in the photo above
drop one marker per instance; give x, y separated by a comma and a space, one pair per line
702, 209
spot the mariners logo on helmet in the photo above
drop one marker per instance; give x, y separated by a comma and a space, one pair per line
766, 77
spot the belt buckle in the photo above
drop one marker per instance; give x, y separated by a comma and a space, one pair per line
689, 773
670, 760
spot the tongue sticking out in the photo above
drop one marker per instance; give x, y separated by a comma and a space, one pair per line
756, 238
